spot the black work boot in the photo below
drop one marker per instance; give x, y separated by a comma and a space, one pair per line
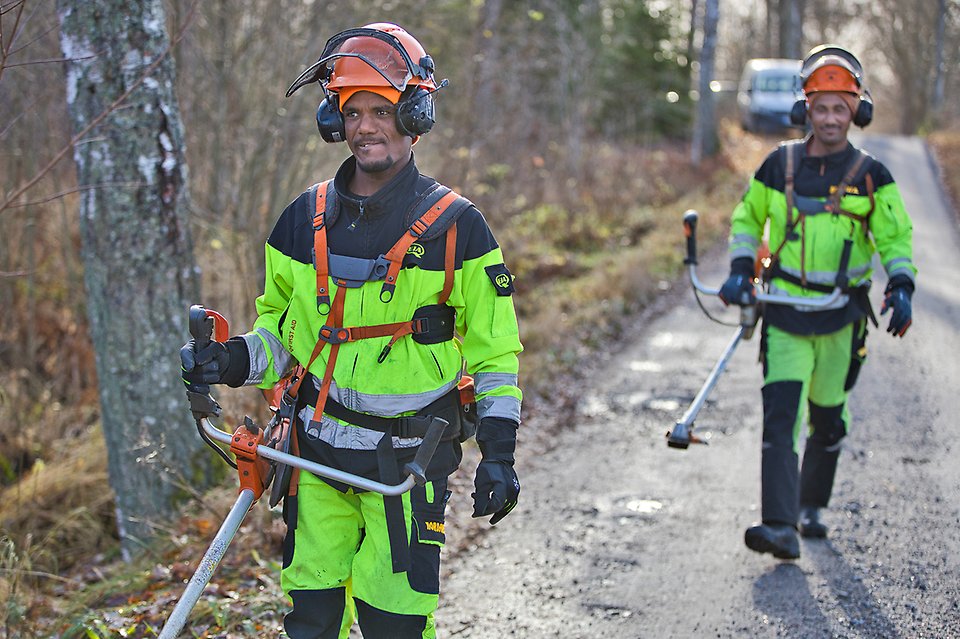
810, 524
779, 540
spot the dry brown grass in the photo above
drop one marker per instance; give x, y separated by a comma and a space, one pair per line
946, 149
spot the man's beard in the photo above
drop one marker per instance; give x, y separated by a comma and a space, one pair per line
376, 166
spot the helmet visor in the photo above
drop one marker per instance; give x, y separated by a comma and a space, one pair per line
359, 57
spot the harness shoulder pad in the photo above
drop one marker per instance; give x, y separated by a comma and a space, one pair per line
864, 167
447, 218
331, 210
790, 146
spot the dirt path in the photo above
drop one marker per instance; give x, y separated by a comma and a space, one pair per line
619, 536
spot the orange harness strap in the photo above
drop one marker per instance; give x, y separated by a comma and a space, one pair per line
320, 250
395, 254
449, 263
335, 333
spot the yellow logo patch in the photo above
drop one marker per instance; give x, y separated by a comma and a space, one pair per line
434, 526
415, 249
503, 280
850, 190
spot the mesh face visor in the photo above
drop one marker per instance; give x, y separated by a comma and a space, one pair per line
363, 57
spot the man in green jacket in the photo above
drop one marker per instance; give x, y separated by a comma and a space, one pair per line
406, 287
822, 197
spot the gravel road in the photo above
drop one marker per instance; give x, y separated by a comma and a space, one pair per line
618, 535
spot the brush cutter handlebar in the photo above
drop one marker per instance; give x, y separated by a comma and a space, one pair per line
253, 462
806, 303
681, 435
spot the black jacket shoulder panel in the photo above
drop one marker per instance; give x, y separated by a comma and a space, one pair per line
772, 172
477, 238
292, 235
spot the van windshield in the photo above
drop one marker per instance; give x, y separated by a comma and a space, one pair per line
771, 83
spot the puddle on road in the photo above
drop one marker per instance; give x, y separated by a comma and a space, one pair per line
667, 405
643, 506
645, 366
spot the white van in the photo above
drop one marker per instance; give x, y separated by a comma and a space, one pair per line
768, 88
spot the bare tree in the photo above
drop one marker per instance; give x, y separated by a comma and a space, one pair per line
137, 253
704, 141
791, 27
903, 35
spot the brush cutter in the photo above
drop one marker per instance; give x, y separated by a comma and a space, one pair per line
257, 459
681, 435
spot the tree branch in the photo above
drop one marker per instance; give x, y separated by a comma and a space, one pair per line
8, 202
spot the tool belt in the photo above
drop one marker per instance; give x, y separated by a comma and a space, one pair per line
458, 407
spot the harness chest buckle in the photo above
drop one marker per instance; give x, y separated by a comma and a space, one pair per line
334, 335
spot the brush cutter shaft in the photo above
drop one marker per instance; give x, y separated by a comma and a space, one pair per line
211, 559
319, 469
698, 401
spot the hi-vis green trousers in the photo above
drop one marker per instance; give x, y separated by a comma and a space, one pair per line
337, 563
816, 372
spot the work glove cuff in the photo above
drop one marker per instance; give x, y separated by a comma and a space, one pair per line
902, 282
238, 366
742, 266
497, 438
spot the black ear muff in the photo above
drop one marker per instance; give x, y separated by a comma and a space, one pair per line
415, 112
864, 114
798, 113
330, 120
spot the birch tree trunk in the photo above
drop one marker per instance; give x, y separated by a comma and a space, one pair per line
138, 260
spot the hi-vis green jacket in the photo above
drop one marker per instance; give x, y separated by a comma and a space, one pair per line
413, 374
873, 217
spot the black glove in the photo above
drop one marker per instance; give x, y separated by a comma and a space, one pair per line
200, 369
897, 297
738, 289
496, 483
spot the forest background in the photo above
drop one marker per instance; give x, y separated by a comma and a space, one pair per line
575, 126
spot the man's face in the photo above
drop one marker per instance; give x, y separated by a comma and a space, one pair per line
830, 117
372, 135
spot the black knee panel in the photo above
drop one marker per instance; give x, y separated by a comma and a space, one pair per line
781, 401
827, 424
380, 624
316, 614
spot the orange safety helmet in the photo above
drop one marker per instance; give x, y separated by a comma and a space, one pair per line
376, 55
830, 68
382, 58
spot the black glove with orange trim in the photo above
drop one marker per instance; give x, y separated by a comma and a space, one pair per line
897, 296
496, 483
738, 289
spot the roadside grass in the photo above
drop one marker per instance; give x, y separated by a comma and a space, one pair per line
586, 259
946, 149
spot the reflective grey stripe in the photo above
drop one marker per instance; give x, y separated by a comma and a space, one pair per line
349, 437
840, 302
743, 252
486, 382
745, 238
384, 405
898, 266
828, 278
282, 360
499, 406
